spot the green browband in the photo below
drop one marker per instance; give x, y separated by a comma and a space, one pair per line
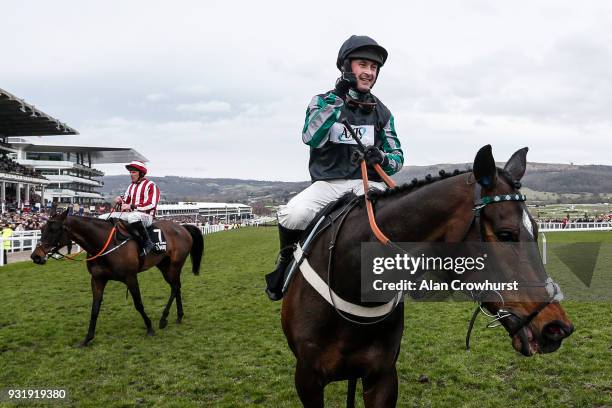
498, 199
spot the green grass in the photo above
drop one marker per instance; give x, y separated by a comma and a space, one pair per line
230, 351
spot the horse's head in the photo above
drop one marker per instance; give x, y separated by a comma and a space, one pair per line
533, 317
53, 236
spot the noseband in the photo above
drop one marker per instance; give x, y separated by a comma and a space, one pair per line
552, 288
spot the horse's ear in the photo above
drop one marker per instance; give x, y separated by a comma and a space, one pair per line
485, 171
517, 164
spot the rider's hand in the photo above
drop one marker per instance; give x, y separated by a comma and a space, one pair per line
118, 200
374, 155
346, 81
126, 207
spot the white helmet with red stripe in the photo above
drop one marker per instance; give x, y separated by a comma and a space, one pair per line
138, 166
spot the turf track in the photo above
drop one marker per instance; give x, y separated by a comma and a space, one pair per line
230, 351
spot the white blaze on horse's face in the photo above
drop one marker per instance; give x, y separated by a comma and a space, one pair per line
527, 223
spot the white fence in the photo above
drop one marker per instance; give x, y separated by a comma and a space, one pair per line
574, 226
27, 240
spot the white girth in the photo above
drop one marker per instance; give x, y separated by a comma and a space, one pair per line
336, 301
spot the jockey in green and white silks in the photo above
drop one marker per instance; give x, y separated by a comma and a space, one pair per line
332, 171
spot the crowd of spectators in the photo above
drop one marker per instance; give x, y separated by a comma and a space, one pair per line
11, 166
565, 220
195, 220
24, 221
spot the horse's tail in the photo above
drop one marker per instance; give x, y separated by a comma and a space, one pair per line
197, 249
350, 393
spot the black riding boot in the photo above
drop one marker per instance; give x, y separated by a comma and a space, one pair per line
275, 280
145, 240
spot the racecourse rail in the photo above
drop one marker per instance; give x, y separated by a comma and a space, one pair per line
27, 240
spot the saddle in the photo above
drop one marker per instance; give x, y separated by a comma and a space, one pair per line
331, 212
155, 233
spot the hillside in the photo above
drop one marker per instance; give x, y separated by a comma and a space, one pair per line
546, 183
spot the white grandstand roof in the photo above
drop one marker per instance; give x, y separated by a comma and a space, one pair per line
197, 205
214, 205
99, 155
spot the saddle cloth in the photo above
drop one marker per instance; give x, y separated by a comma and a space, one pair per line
155, 233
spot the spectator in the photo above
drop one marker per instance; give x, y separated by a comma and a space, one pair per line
7, 232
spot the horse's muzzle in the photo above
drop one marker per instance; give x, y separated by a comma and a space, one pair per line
528, 342
38, 256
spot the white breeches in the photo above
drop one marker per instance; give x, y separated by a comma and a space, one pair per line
131, 217
302, 208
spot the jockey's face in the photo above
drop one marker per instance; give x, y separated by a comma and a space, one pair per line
365, 71
135, 175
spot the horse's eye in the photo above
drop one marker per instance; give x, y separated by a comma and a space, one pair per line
505, 236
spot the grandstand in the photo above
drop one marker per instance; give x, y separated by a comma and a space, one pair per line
206, 212
43, 173
70, 169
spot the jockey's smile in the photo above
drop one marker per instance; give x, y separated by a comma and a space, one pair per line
365, 71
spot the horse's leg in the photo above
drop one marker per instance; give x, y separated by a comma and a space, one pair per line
163, 321
172, 275
164, 267
380, 390
179, 302
97, 291
132, 283
309, 387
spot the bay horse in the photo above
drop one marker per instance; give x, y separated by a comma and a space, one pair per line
121, 261
329, 347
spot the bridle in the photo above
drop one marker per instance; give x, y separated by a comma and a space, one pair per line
552, 288
55, 254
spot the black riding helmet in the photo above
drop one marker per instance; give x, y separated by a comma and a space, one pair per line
360, 46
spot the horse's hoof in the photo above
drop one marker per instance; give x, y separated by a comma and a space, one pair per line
163, 323
83, 344
179, 320
150, 332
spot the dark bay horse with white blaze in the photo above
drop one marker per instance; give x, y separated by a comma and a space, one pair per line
329, 347
124, 263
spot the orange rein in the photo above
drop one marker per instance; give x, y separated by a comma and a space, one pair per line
106, 244
370, 209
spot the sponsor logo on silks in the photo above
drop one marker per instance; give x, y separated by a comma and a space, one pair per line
339, 134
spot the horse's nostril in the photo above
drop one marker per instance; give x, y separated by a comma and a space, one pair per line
557, 330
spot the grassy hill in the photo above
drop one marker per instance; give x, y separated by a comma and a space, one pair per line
547, 183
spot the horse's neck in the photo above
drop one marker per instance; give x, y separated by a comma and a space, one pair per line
86, 232
434, 212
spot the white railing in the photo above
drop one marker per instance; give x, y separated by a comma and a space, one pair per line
22, 240
27, 240
574, 226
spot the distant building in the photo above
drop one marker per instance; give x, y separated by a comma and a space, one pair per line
69, 169
227, 212
38, 173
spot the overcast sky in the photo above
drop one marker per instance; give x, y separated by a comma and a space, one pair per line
220, 88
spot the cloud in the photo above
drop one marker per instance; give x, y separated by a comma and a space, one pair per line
206, 91
155, 97
205, 107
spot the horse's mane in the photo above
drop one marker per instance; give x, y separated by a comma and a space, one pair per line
415, 183
95, 220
